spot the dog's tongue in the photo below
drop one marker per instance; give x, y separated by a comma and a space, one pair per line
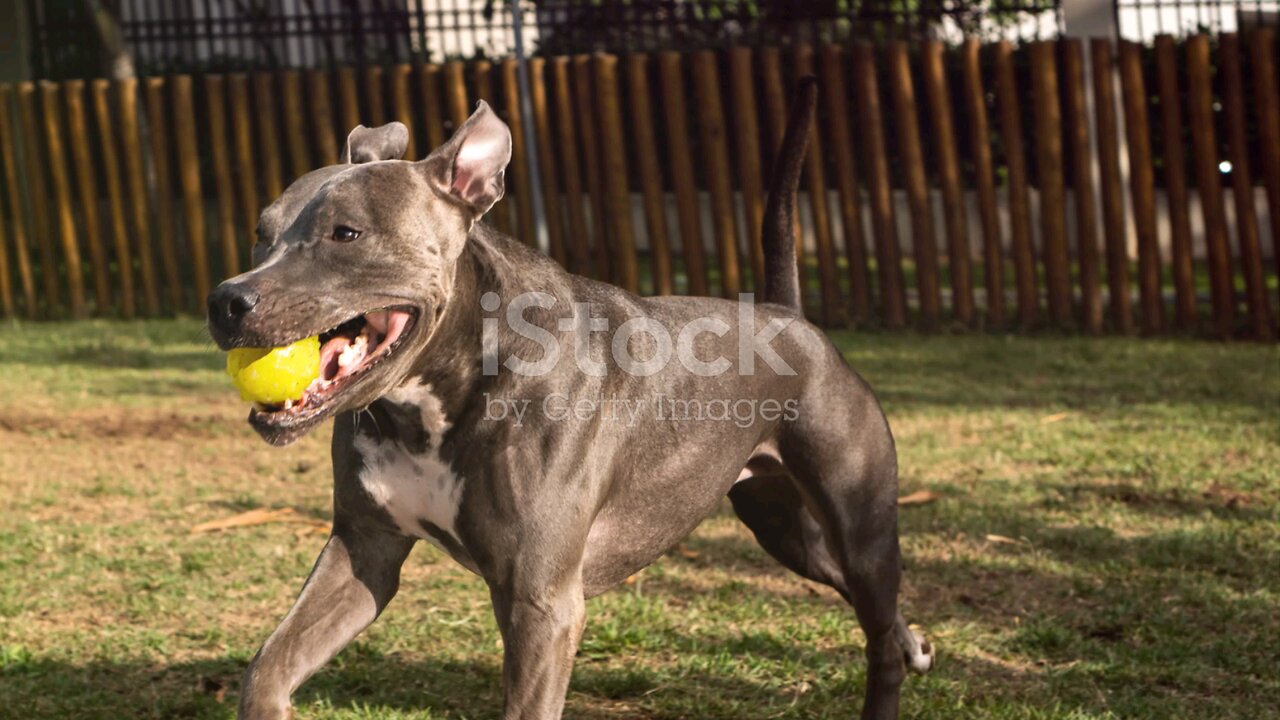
377, 321
389, 324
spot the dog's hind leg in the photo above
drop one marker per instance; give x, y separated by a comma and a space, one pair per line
832, 517
771, 507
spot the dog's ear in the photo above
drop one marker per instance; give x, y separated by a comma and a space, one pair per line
470, 167
385, 142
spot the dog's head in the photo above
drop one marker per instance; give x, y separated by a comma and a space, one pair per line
362, 254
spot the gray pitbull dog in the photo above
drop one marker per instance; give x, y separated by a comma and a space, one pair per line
549, 501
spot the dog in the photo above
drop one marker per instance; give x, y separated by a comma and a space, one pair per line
494, 439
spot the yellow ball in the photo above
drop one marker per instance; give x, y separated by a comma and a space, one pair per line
273, 375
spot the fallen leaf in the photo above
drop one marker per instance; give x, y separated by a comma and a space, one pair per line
257, 516
1002, 540
919, 497
1050, 419
305, 530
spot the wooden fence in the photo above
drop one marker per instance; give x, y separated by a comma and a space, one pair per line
133, 198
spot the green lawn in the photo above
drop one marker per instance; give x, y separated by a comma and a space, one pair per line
1105, 543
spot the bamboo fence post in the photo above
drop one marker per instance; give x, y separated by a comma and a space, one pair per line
295, 132
579, 236
215, 96
880, 189
525, 229
682, 172
455, 88
322, 112
246, 170
1267, 107
87, 185
373, 94
1113, 216
6, 288
1049, 161
140, 214
1204, 146
957, 222
615, 171
348, 104
429, 87
715, 154
189, 177
1077, 114
11, 181
650, 172
586, 116
37, 185
1175, 180
62, 196
747, 137
268, 133
924, 242
1019, 201
1142, 186
835, 95
1233, 102
546, 165
401, 110
984, 179
101, 90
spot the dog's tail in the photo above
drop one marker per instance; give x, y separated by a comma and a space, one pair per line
781, 276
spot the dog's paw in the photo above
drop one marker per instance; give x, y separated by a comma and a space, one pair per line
917, 651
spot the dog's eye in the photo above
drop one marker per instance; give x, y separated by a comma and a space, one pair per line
344, 234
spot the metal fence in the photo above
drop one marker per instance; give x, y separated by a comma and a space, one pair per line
233, 35
1142, 20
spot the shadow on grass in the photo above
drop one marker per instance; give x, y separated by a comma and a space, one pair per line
364, 683
1161, 625
1064, 372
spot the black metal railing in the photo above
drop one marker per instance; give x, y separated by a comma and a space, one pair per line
1144, 19
222, 35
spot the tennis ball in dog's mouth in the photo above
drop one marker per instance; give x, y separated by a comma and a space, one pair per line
272, 376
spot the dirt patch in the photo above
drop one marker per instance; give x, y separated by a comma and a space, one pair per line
113, 424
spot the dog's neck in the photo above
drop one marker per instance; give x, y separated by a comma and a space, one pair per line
451, 362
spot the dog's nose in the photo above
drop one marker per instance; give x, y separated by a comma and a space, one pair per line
229, 303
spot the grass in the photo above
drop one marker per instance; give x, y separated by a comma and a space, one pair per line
1104, 545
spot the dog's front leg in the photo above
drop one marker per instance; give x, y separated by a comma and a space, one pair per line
541, 624
356, 575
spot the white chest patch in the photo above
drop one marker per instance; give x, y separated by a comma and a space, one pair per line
418, 490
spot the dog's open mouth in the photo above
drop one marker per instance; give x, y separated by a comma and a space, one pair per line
348, 352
